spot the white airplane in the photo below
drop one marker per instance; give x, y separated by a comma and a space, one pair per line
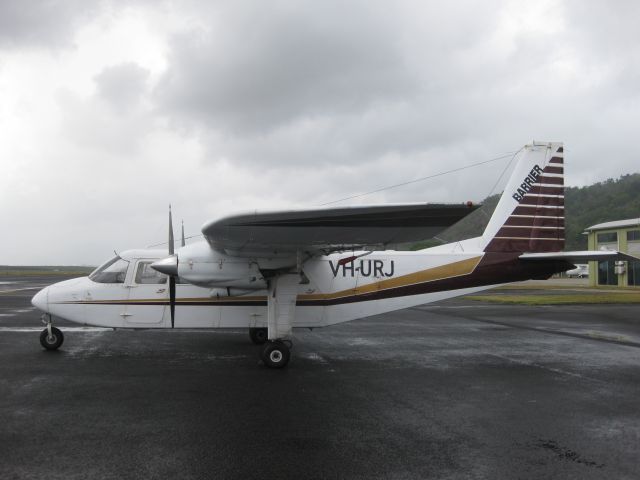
272, 272
581, 271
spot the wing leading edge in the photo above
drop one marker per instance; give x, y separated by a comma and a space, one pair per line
332, 229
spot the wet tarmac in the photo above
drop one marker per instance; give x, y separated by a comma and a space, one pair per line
456, 390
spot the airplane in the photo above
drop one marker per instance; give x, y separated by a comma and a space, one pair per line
581, 271
271, 272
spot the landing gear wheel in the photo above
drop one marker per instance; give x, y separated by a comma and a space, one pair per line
276, 354
258, 335
53, 341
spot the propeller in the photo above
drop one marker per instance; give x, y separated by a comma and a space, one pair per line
172, 278
169, 266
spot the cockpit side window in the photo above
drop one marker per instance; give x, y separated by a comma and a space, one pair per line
147, 275
113, 271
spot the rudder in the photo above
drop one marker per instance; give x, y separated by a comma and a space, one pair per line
530, 214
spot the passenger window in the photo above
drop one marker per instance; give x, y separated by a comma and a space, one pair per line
147, 275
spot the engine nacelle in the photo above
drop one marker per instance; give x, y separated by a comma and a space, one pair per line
200, 265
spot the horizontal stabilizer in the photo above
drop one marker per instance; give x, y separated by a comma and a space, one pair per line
580, 256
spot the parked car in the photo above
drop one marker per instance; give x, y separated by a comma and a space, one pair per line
581, 271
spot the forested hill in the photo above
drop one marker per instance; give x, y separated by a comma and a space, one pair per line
584, 206
601, 202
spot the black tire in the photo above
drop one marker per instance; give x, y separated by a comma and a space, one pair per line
276, 355
53, 342
258, 335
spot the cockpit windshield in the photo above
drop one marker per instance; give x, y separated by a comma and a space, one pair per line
113, 271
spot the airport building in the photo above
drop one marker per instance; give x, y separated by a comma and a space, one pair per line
621, 235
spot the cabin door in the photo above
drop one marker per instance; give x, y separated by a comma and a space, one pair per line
147, 304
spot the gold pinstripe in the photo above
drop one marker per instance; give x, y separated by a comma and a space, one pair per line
455, 269
450, 270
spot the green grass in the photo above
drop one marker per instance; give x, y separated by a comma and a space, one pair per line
561, 299
578, 288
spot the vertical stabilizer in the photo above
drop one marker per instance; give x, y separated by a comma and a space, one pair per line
530, 214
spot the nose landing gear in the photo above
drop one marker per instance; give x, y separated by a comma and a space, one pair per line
51, 337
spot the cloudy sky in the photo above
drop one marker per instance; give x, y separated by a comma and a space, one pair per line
111, 110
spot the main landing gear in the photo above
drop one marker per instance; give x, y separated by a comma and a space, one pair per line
276, 353
282, 294
51, 338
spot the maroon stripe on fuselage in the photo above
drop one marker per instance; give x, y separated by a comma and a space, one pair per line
493, 268
559, 160
560, 149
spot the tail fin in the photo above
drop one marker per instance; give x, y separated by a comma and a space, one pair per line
530, 214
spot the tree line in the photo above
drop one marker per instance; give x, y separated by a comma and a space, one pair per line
613, 199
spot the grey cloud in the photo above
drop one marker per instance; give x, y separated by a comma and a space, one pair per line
92, 124
296, 87
122, 85
295, 103
116, 118
41, 23
52, 24
261, 67
331, 83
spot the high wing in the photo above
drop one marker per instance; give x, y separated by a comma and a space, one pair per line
579, 256
330, 229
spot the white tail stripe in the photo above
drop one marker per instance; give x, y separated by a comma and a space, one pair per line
553, 185
532, 227
542, 206
555, 175
535, 216
543, 195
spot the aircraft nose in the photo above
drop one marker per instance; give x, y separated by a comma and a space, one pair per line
41, 300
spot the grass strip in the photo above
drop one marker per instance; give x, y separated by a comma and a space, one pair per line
33, 273
569, 299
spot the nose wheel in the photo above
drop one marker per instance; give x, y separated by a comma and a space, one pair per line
51, 338
276, 354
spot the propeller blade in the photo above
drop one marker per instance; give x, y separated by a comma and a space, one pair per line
170, 233
172, 299
183, 242
172, 278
